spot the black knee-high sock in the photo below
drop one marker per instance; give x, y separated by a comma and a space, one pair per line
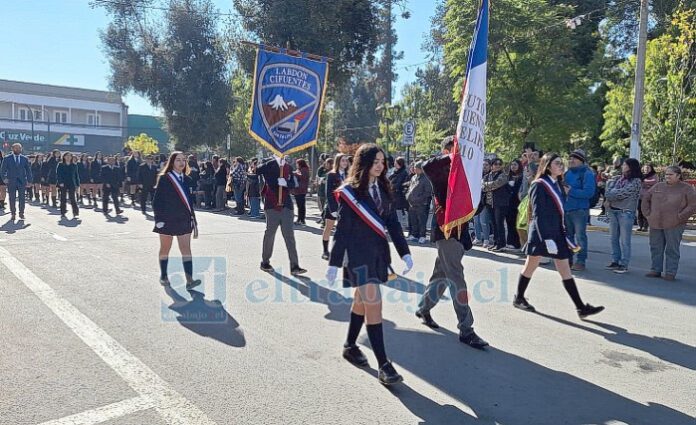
572, 290
188, 269
374, 332
326, 245
163, 267
522, 284
356, 323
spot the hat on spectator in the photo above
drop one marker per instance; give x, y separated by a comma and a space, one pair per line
579, 154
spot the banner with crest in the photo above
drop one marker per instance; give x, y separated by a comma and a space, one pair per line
287, 100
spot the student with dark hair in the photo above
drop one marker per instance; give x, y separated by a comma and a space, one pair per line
68, 180
334, 179
366, 217
548, 236
95, 176
649, 180
622, 195
175, 216
300, 191
399, 180
147, 176
52, 178
111, 184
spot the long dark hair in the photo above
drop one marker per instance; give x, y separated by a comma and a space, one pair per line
65, 154
301, 163
651, 172
337, 163
633, 169
545, 165
169, 166
359, 174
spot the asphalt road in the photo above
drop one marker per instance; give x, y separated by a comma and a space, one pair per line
87, 335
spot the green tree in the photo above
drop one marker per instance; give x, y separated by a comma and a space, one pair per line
142, 143
242, 144
668, 133
172, 56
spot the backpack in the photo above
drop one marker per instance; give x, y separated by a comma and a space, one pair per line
595, 196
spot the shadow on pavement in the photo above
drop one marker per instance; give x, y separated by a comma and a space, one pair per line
11, 227
207, 318
339, 305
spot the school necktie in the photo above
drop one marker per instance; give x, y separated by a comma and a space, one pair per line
16, 159
376, 198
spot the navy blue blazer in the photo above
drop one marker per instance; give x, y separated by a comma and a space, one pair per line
367, 253
546, 222
174, 216
111, 176
333, 181
14, 173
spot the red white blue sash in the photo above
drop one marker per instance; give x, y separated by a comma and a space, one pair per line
559, 206
179, 188
365, 212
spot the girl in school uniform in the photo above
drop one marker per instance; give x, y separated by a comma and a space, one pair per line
53, 162
547, 234
36, 175
174, 215
95, 175
367, 217
68, 180
334, 179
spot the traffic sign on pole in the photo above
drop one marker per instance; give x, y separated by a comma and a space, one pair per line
409, 138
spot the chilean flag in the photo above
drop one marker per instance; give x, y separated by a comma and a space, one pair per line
464, 183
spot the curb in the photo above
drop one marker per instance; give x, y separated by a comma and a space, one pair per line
689, 238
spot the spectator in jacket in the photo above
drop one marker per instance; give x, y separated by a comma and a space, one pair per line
579, 187
482, 226
667, 207
206, 183
301, 174
253, 190
497, 191
514, 182
419, 193
649, 180
220, 183
399, 180
321, 185
622, 200
239, 184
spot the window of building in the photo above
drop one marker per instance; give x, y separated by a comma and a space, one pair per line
60, 117
25, 114
93, 119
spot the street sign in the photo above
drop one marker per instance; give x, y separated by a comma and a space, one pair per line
409, 138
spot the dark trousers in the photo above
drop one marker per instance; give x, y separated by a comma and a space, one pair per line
511, 221
301, 207
642, 220
113, 192
13, 188
418, 217
65, 193
499, 214
146, 192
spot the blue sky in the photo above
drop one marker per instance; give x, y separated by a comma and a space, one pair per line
57, 42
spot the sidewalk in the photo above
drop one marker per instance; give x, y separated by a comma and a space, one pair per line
602, 225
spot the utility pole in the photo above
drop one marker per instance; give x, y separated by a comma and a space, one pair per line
640, 82
388, 57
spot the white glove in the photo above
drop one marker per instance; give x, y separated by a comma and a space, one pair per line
282, 182
551, 246
334, 214
409, 263
331, 273
511, 183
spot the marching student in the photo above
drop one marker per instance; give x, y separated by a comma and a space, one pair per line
111, 182
334, 179
68, 180
132, 182
277, 205
366, 217
3, 186
83, 174
95, 176
52, 178
175, 216
448, 270
147, 176
36, 175
16, 174
45, 165
547, 234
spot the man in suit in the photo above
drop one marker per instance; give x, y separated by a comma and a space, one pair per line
111, 182
448, 270
278, 207
147, 176
16, 173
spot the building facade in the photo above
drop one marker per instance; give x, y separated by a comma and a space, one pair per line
44, 117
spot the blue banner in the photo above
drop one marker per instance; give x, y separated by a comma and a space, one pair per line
287, 101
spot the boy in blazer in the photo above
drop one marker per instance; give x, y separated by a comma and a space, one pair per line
111, 181
16, 174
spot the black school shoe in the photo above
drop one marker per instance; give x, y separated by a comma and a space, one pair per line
427, 319
353, 354
589, 310
297, 270
192, 284
267, 267
388, 375
522, 304
473, 341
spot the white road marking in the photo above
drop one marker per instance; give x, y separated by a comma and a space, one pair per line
172, 406
59, 237
105, 413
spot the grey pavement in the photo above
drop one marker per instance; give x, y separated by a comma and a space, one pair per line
87, 335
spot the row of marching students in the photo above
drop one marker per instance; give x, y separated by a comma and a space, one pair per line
62, 178
366, 220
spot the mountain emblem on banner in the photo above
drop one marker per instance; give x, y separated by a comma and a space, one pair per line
277, 109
